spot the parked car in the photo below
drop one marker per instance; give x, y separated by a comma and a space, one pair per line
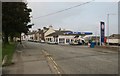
76, 42
42, 41
52, 43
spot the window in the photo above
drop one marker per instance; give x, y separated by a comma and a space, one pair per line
67, 40
61, 40
50, 39
75, 41
46, 39
31, 37
72, 40
56, 39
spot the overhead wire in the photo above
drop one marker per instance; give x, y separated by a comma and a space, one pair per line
64, 10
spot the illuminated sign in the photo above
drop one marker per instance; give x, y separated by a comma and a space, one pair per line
84, 33
102, 32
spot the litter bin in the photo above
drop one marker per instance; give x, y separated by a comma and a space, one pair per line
92, 44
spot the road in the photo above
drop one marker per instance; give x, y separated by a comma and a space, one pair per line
42, 58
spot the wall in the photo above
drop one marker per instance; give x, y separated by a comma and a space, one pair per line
62, 39
113, 40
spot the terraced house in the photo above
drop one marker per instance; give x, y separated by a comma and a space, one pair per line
60, 36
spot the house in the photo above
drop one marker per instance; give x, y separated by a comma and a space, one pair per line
30, 36
23, 36
45, 29
35, 35
91, 37
114, 39
59, 37
49, 31
40, 34
114, 36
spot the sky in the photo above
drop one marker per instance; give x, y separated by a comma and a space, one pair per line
86, 17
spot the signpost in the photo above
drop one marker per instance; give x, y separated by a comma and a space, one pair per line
102, 33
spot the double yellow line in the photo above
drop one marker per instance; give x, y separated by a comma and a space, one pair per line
55, 66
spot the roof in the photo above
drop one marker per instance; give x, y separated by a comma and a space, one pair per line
58, 32
40, 31
64, 32
35, 32
30, 33
87, 36
45, 29
115, 36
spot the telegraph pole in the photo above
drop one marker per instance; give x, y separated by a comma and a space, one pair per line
108, 29
108, 15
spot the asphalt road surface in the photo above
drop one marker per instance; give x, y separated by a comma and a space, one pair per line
42, 58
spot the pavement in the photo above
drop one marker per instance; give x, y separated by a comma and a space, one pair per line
28, 59
42, 58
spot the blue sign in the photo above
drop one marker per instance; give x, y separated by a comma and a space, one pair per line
84, 33
102, 32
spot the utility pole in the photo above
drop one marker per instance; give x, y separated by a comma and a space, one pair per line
108, 27
96, 40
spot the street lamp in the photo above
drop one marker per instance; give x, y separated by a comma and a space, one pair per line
108, 27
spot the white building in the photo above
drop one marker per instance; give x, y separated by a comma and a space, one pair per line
114, 39
61, 37
49, 31
29, 36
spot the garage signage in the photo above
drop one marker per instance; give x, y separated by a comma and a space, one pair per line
84, 33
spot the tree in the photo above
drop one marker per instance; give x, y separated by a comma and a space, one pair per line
15, 17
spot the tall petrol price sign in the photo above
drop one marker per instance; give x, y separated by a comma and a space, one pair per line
102, 33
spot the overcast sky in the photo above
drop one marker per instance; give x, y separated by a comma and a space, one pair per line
83, 18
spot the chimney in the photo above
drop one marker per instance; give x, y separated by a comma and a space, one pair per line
50, 26
63, 29
59, 29
44, 28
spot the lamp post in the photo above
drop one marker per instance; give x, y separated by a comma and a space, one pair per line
108, 27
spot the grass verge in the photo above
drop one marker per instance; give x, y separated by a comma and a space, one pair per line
8, 50
0, 53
